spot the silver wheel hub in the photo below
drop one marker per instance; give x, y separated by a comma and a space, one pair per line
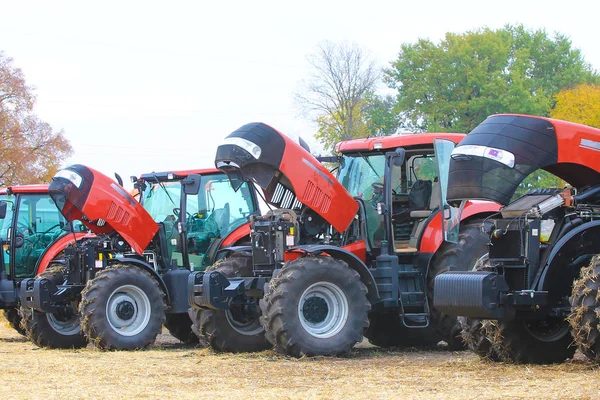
128, 310
65, 326
323, 310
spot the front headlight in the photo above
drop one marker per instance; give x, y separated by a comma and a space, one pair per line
245, 144
502, 156
71, 176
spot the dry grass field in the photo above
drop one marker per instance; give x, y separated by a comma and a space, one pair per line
169, 370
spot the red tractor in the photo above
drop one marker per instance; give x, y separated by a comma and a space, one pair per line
537, 277
338, 258
130, 279
33, 235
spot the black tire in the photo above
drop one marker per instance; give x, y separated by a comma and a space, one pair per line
476, 335
122, 308
460, 256
52, 330
533, 342
387, 330
14, 320
216, 327
327, 281
585, 310
180, 327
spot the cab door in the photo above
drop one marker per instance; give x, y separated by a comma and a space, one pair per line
450, 215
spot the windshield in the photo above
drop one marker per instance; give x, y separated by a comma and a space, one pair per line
213, 213
357, 173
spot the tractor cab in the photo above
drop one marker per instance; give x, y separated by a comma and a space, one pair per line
396, 178
30, 230
211, 215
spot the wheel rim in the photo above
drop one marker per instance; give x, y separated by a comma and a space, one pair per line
128, 310
241, 324
64, 326
548, 330
323, 309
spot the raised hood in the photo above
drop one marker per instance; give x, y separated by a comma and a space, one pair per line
503, 150
287, 173
82, 193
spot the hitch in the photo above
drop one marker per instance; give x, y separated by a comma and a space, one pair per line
213, 290
45, 296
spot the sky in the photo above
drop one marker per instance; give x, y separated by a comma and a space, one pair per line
142, 86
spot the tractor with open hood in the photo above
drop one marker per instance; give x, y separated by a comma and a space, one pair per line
538, 276
131, 278
337, 258
33, 235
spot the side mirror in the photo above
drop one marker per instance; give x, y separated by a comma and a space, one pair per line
191, 184
398, 157
3, 208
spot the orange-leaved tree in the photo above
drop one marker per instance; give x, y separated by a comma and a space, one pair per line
580, 104
30, 150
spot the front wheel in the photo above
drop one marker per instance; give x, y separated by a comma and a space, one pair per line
57, 331
585, 310
122, 308
14, 320
315, 306
238, 329
477, 335
180, 327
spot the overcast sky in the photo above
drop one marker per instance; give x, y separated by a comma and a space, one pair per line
141, 86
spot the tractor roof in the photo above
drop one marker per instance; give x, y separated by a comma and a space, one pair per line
164, 175
40, 188
395, 141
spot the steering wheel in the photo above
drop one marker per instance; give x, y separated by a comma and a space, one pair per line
23, 228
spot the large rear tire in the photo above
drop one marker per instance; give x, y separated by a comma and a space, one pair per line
53, 330
585, 310
237, 330
460, 256
122, 308
180, 327
14, 320
387, 330
315, 306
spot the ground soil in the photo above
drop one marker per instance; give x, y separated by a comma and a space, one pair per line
171, 370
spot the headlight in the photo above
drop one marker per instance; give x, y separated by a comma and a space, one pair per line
505, 157
247, 145
71, 176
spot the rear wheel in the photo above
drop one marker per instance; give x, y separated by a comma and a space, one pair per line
59, 330
585, 310
122, 308
315, 306
235, 330
180, 327
387, 330
14, 320
460, 256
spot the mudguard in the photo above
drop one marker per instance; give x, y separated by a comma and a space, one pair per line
353, 262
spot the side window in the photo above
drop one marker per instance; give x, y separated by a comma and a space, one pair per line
423, 168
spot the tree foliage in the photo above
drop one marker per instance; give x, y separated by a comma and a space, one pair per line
456, 84
30, 150
580, 104
339, 93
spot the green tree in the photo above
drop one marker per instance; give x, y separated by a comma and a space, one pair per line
580, 104
455, 84
30, 150
336, 95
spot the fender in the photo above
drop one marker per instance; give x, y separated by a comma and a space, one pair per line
236, 235
353, 262
225, 251
432, 237
145, 267
588, 228
57, 247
